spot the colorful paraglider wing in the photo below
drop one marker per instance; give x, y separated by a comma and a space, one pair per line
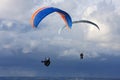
41, 13
80, 21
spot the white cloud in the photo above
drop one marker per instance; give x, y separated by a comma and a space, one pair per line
70, 52
15, 9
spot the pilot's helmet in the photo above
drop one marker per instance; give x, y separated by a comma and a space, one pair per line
47, 58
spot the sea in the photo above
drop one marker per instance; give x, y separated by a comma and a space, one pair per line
55, 78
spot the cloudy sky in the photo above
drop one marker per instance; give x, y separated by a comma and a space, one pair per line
22, 48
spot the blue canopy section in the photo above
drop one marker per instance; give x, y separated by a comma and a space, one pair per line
46, 11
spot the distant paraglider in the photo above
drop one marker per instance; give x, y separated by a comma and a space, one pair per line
41, 13
80, 21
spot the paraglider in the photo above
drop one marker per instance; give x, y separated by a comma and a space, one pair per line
46, 62
41, 13
80, 21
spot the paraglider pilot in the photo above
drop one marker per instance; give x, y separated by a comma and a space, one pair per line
81, 55
46, 62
